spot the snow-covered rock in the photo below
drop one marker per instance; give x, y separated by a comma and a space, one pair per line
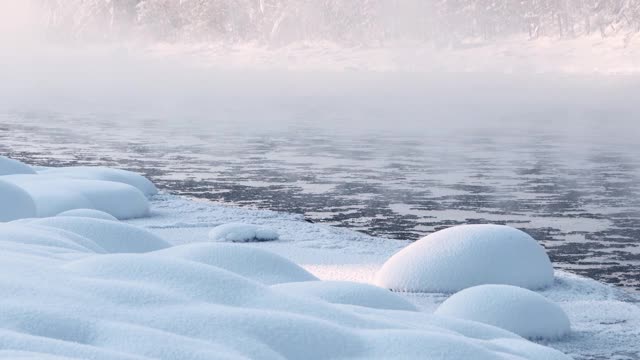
10, 166
105, 174
347, 292
512, 308
237, 232
113, 237
15, 203
463, 256
255, 264
53, 195
88, 213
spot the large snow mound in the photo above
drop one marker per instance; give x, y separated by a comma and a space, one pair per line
346, 292
64, 300
53, 195
463, 256
106, 174
113, 237
10, 166
255, 264
15, 203
518, 310
236, 232
88, 213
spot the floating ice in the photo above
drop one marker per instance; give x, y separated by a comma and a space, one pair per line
346, 292
518, 310
463, 256
236, 232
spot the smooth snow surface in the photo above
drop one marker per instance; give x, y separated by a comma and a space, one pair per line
512, 308
253, 263
236, 232
350, 293
15, 203
11, 167
463, 256
88, 213
105, 174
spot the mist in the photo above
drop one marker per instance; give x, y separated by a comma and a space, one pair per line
54, 61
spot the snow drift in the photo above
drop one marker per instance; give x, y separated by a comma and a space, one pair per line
518, 310
463, 256
176, 308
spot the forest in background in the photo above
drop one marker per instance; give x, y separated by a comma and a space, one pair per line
349, 22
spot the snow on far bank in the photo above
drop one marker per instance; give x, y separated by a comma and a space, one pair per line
516, 54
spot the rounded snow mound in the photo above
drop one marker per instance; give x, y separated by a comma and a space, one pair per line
463, 256
105, 174
15, 203
88, 213
10, 166
53, 195
236, 232
350, 293
512, 308
256, 264
113, 237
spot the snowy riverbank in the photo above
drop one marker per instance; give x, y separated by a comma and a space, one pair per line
78, 287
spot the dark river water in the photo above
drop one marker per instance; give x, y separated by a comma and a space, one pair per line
575, 188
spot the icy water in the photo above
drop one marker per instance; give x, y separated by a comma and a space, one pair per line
581, 201
569, 178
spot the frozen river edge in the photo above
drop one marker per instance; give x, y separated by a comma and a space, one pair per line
605, 319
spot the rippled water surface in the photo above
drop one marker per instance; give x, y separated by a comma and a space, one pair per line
576, 188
